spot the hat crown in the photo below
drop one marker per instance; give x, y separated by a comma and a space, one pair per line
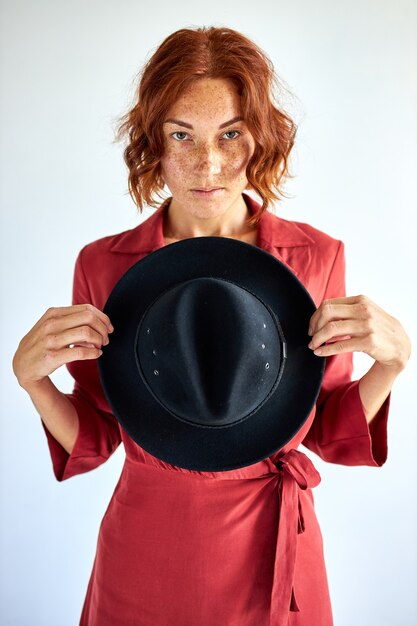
210, 351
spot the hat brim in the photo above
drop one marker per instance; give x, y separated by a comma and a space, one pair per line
145, 420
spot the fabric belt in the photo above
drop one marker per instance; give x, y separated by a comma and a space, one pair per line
295, 471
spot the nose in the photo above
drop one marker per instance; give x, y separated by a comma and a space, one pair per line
208, 159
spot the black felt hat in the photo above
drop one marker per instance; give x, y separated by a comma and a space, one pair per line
208, 366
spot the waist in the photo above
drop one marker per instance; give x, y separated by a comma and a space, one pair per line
289, 475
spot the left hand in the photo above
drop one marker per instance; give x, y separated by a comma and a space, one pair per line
357, 324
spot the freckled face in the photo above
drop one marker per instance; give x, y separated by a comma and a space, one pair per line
206, 155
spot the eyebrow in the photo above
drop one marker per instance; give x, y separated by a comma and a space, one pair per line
181, 123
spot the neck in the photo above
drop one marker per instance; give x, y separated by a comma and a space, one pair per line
232, 223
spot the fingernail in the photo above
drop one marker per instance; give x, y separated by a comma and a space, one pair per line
100, 352
111, 329
310, 330
310, 345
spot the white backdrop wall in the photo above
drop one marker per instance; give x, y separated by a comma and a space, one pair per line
67, 71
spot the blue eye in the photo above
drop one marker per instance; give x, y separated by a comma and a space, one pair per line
179, 132
182, 132
232, 131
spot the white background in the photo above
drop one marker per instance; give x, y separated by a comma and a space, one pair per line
67, 71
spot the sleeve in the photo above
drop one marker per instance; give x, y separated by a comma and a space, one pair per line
339, 432
99, 434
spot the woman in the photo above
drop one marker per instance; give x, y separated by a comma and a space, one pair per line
190, 548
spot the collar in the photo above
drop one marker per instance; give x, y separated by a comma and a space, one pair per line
273, 232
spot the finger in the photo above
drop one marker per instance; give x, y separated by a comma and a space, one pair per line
328, 311
68, 310
78, 353
331, 310
355, 344
86, 318
50, 360
80, 335
346, 300
334, 329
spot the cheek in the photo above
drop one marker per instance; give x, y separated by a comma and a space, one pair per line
236, 160
175, 164
238, 157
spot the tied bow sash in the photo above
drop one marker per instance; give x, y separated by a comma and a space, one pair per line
295, 471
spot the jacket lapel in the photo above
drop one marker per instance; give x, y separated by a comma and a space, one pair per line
275, 234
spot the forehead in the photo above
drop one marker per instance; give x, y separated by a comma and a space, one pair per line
212, 99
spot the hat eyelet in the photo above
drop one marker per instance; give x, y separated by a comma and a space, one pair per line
267, 366
263, 346
156, 372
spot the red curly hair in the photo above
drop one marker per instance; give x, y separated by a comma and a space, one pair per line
184, 57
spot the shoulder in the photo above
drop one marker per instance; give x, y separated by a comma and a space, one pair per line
99, 265
315, 256
137, 241
134, 241
101, 246
288, 233
327, 246
319, 237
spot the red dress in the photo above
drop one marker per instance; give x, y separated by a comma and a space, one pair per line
242, 547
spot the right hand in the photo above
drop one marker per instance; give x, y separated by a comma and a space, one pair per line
47, 345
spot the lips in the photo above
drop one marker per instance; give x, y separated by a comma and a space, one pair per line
206, 189
212, 193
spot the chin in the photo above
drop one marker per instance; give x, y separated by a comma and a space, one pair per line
206, 214
204, 207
